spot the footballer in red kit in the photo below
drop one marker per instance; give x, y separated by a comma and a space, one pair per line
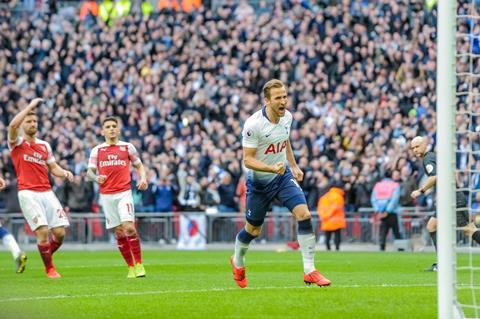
33, 159
109, 166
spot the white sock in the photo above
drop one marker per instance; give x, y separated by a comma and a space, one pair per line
240, 251
10, 242
307, 246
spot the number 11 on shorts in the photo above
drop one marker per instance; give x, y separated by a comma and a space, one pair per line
129, 208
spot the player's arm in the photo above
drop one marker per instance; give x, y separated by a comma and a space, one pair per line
57, 171
431, 181
18, 119
93, 177
296, 171
251, 162
142, 183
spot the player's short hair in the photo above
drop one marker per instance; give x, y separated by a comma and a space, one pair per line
31, 113
110, 118
269, 85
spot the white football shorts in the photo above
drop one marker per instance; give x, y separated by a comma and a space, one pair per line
42, 209
118, 208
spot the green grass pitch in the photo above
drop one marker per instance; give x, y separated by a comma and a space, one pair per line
182, 284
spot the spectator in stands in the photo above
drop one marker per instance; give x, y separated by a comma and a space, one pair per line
88, 8
362, 190
189, 196
78, 195
10, 194
227, 193
149, 195
164, 195
408, 184
355, 95
210, 196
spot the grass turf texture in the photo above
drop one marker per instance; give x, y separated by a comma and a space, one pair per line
200, 285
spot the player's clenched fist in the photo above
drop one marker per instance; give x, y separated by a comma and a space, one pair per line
102, 179
142, 184
68, 175
416, 193
279, 168
297, 173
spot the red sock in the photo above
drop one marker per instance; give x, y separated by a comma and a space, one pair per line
135, 247
124, 247
46, 255
54, 245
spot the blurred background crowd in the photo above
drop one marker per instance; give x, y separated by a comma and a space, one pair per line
184, 76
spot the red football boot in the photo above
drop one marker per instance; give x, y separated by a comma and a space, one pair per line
315, 277
52, 273
238, 274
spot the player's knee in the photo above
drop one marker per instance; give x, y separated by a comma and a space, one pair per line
301, 212
58, 234
42, 235
253, 230
59, 237
432, 225
119, 233
129, 229
304, 215
256, 231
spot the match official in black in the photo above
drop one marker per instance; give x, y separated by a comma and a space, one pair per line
419, 147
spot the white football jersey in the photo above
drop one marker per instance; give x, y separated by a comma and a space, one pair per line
269, 139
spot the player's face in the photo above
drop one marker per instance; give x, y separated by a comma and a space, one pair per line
417, 149
278, 101
30, 125
110, 130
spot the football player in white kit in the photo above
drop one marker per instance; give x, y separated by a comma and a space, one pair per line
273, 173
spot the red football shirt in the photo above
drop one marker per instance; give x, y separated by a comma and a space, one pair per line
114, 162
30, 160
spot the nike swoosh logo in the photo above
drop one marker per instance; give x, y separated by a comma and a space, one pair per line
267, 135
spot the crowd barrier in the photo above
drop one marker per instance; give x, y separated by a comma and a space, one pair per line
164, 228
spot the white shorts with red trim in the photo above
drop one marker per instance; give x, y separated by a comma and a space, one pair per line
42, 209
118, 208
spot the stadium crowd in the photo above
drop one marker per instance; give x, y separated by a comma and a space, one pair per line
360, 76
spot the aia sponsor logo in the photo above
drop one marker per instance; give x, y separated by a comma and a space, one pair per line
274, 149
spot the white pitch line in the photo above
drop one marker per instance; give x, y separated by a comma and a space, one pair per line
148, 264
186, 291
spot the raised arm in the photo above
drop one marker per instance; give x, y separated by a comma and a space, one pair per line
18, 119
